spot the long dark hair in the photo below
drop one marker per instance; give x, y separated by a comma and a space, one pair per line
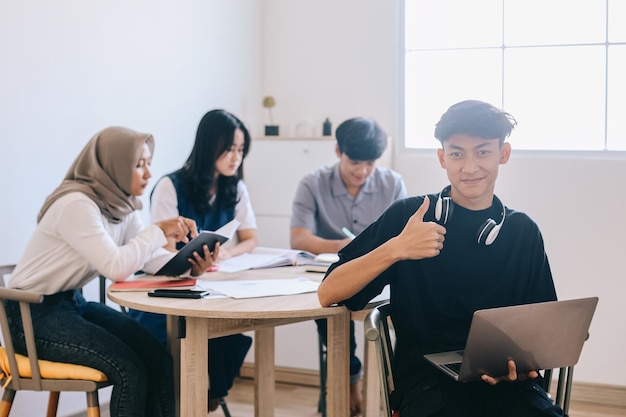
215, 136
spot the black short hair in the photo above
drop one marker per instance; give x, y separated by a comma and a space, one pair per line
361, 139
475, 118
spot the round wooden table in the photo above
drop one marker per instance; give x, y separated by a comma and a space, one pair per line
191, 322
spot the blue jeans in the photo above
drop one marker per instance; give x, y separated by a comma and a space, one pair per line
72, 330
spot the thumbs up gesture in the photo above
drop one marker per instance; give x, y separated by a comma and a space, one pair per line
419, 239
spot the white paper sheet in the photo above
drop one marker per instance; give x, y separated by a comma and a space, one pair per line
261, 287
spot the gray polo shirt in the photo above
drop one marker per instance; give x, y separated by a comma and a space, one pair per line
323, 205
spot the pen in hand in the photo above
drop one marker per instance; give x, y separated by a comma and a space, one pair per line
348, 233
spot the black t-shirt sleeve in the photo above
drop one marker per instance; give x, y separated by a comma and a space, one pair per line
388, 225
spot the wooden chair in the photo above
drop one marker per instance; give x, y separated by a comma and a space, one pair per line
563, 387
377, 329
38, 375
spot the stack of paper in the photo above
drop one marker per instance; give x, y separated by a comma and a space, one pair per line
322, 262
327, 257
321, 267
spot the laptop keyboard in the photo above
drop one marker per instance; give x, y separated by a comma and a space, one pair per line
453, 366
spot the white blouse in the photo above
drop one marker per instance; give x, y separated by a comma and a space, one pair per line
164, 204
73, 243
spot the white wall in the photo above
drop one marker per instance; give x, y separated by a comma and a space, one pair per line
328, 58
70, 68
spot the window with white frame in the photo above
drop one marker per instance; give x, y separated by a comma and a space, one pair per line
558, 66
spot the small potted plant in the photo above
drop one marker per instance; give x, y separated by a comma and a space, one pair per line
271, 129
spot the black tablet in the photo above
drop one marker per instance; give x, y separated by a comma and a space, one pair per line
179, 263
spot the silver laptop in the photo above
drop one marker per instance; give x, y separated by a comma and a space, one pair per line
536, 336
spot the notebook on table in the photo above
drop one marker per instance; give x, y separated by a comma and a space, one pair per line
322, 262
144, 284
536, 336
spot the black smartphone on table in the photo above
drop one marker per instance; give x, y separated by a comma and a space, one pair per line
178, 293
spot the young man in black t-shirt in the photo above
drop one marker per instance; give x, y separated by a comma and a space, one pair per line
446, 255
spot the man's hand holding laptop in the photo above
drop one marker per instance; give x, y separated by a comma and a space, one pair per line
510, 376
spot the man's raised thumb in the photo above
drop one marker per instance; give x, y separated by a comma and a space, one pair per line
421, 211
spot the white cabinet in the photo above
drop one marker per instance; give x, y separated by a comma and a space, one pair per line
272, 171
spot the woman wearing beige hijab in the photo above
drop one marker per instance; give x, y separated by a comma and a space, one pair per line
89, 226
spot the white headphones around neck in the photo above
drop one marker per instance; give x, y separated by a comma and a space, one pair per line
487, 233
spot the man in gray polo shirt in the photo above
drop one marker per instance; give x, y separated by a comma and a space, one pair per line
335, 201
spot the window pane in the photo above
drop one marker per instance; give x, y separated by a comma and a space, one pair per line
434, 80
553, 74
557, 96
617, 28
452, 23
550, 22
616, 128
